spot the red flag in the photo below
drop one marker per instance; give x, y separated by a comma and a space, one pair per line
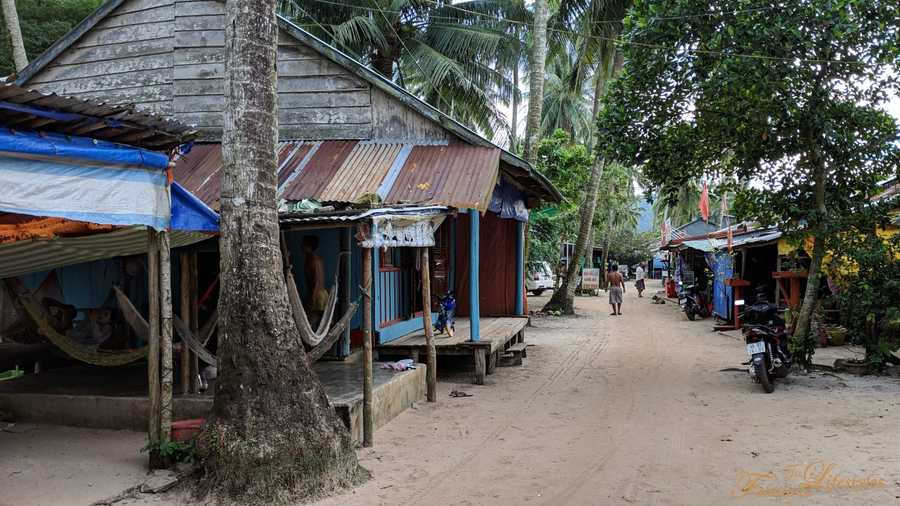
704, 202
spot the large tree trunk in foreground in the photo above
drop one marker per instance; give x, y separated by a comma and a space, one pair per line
273, 435
20, 59
563, 300
536, 80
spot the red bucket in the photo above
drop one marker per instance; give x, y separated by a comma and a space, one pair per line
184, 430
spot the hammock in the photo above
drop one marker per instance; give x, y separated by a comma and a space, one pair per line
78, 351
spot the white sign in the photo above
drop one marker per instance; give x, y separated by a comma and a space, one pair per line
739, 302
590, 279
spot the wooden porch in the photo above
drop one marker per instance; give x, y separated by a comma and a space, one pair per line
498, 335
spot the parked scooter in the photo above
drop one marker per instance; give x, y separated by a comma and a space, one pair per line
693, 303
447, 305
767, 344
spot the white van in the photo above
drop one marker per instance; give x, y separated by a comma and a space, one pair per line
539, 278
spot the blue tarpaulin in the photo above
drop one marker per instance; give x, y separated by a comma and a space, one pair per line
32, 144
190, 213
508, 202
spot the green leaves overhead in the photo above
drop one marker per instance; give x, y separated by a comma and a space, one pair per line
755, 92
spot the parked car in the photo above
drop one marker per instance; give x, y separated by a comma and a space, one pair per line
539, 278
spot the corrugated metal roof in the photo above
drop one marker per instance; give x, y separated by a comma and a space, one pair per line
200, 172
24, 257
458, 175
27, 109
362, 173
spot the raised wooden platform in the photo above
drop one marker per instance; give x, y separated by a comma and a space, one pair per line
497, 334
116, 397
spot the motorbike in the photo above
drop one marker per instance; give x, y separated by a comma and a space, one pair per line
446, 307
693, 303
767, 345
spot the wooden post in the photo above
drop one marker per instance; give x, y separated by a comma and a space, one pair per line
480, 364
153, 342
185, 313
165, 334
195, 321
431, 373
368, 426
345, 287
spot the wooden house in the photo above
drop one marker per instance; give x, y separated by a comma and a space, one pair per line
348, 138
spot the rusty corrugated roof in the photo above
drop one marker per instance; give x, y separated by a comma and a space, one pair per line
27, 109
362, 172
457, 175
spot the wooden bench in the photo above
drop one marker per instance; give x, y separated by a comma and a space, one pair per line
518, 351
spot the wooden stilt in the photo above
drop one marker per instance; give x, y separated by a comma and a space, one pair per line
165, 337
185, 312
431, 373
368, 426
153, 343
195, 322
480, 365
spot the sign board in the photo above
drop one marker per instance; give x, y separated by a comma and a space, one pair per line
590, 279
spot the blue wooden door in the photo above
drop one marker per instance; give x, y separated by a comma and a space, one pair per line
722, 294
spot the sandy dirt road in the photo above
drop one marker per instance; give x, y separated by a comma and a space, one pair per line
631, 409
634, 409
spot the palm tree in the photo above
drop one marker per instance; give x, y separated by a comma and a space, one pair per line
448, 54
20, 58
566, 104
536, 79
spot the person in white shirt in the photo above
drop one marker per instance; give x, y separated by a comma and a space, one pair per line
639, 280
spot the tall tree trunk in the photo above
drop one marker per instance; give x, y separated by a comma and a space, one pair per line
803, 343
563, 300
273, 435
536, 80
514, 124
20, 59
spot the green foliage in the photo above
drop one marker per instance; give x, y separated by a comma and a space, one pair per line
174, 451
756, 94
777, 97
629, 247
867, 269
567, 166
42, 23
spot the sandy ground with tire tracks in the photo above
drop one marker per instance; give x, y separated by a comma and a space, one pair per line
635, 409
632, 409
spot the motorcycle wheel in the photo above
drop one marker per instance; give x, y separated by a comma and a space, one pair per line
762, 372
690, 314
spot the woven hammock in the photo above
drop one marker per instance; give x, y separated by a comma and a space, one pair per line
78, 351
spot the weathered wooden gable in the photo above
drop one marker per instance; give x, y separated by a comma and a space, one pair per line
126, 58
167, 56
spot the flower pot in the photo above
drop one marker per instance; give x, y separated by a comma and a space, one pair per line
852, 366
837, 336
184, 430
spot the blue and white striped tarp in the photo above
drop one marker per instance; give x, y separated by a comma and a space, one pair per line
82, 179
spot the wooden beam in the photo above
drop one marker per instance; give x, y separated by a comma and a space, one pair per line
195, 321
185, 313
165, 337
431, 373
368, 426
153, 343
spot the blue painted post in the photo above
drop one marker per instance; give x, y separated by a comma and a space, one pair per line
376, 295
520, 268
474, 292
